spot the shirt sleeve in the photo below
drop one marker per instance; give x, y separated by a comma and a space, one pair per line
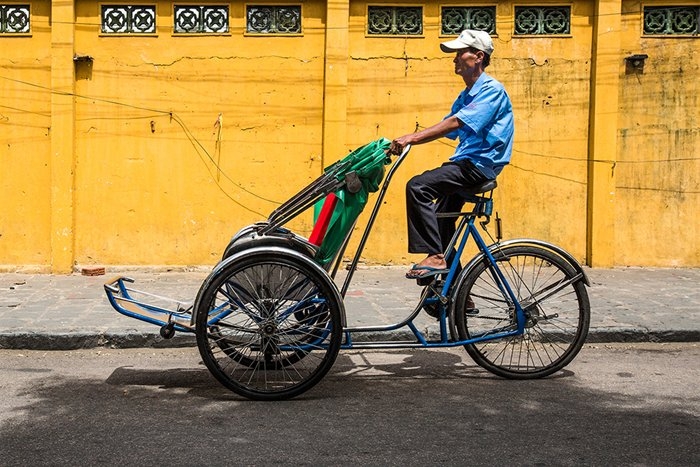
481, 111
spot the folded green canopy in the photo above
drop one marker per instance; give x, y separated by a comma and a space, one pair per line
367, 162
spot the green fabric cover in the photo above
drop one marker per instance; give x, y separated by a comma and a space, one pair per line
368, 162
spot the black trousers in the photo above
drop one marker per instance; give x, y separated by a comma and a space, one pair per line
435, 191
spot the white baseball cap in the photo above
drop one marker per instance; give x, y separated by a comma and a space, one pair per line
480, 40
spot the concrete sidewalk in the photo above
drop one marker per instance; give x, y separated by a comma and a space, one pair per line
66, 312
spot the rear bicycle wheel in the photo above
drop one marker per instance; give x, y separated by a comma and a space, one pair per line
553, 297
268, 323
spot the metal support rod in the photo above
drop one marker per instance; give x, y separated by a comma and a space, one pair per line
372, 218
341, 252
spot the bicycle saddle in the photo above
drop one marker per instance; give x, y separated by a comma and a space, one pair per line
478, 189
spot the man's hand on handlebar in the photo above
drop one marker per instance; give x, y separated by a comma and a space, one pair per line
397, 146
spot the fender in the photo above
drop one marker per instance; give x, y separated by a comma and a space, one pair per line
248, 237
279, 251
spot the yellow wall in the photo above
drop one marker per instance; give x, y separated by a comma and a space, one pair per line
147, 183
161, 147
396, 84
25, 140
657, 175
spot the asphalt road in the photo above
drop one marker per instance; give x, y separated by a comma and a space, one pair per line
614, 405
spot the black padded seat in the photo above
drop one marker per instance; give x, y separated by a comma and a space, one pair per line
478, 189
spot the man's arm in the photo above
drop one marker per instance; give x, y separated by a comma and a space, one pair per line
425, 136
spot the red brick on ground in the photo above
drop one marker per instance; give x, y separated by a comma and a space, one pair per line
92, 271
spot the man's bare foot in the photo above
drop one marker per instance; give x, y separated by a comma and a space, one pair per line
429, 264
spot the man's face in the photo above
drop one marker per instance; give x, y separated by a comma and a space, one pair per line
468, 61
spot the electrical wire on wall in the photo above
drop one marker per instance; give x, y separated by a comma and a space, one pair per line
204, 155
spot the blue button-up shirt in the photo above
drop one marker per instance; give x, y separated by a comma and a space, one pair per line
486, 136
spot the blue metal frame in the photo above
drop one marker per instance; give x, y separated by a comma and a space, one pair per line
465, 230
120, 298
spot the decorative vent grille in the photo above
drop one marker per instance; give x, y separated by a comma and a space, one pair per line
457, 19
266, 19
190, 19
128, 19
14, 19
394, 21
671, 20
542, 20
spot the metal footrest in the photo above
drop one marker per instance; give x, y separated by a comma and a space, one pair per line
170, 314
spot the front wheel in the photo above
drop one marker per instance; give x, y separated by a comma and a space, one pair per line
555, 302
268, 323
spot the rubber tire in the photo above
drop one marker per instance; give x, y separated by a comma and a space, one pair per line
546, 346
245, 241
266, 375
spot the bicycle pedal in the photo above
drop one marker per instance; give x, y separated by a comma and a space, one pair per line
425, 281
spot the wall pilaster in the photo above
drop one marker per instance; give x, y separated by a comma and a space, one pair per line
62, 136
335, 80
602, 153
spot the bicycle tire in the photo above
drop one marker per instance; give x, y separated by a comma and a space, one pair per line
268, 323
553, 297
247, 238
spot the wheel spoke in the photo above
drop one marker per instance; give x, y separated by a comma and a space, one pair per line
554, 301
284, 332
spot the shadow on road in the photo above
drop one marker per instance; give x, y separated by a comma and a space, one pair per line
393, 408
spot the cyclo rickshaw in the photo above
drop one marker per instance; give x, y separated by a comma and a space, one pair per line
270, 319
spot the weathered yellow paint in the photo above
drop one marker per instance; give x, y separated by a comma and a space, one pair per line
658, 162
149, 163
603, 133
62, 137
335, 86
396, 85
25, 171
542, 192
170, 144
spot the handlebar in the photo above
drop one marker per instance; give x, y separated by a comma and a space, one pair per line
403, 152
